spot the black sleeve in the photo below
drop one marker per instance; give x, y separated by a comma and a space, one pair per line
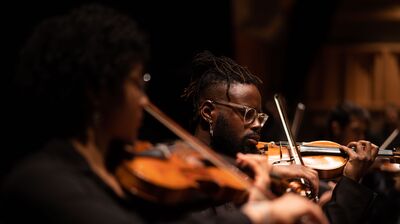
351, 202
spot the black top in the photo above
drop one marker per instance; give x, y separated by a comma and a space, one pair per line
56, 185
351, 203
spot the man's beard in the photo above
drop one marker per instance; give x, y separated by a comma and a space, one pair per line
224, 140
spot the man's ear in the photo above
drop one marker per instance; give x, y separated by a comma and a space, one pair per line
207, 111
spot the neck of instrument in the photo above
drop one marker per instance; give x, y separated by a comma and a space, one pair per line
336, 151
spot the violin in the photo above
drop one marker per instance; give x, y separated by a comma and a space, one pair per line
323, 156
176, 174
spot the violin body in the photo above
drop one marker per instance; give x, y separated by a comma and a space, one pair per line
180, 177
327, 164
323, 156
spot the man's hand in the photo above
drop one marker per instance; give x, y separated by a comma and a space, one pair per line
259, 165
360, 159
296, 171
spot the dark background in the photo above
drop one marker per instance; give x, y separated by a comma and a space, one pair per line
177, 30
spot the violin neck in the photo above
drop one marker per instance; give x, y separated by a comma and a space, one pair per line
386, 152
313, 150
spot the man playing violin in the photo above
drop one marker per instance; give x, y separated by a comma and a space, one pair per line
82, 75
227, 116
349, 122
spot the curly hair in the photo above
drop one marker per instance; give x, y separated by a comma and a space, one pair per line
209, 70
76, 61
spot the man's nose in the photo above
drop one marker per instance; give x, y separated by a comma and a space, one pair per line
256, 125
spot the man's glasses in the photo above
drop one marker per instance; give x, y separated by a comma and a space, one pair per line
249, 114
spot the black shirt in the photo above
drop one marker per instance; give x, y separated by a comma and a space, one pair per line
351, 203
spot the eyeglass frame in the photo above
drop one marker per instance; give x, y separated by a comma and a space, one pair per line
246, 110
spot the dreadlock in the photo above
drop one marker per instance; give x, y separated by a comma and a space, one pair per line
209, 70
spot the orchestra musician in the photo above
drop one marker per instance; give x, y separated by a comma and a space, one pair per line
227, 116
349, 122
82, 75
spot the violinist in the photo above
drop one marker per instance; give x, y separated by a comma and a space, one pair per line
81, 75
349, 122
385, 178
226, 105
227, 116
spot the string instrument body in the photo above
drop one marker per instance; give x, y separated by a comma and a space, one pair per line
323, 156
177, 177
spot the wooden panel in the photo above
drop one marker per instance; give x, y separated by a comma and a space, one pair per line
392, 78
367, 74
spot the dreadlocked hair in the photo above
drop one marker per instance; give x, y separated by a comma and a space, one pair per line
209, 70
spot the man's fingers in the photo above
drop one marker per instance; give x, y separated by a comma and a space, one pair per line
259, 166
255, 160
374, 151
245, 160
297, 171
312, 175
349, 150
